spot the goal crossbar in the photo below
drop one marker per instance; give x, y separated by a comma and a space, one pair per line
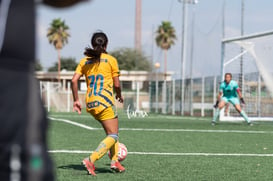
249, 36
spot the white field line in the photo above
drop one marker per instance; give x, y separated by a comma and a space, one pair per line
74, 123
197, 130
164, 130
149, 117
169, 154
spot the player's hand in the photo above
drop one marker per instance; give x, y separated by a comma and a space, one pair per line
119, 98
216, 104
77, 107
242, 101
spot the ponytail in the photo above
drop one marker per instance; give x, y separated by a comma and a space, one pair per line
99, 42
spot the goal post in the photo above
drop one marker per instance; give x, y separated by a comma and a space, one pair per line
250, 60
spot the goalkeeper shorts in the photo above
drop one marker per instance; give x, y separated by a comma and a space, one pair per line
233, 100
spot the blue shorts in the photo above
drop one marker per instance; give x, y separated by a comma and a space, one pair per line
233, 100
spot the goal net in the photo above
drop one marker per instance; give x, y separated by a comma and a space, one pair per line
250, 60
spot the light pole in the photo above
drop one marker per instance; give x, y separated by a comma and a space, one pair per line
157, 66
138, 26
241, 78
191, 61
184, 50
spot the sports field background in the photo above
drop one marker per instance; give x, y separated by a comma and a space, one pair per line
164, 147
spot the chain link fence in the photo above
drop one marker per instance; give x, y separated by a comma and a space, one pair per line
164, 97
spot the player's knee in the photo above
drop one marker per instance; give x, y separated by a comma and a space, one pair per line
114, 136
238, 108
221, 105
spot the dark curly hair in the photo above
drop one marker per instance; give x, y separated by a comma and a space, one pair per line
228, 74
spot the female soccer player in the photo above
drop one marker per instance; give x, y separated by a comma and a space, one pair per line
229, 92
101, 72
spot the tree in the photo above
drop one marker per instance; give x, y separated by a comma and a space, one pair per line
165, 37
38, 66
130, 59
58, 36
66, 63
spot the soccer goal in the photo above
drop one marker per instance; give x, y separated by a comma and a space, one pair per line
250, 60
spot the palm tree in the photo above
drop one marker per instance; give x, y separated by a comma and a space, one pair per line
58, 36
165, 37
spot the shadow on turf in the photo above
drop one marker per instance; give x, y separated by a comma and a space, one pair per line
82, 168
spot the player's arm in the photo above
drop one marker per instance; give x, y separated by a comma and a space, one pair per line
240, 95
76, 105
219, 96
115, 75
218, 99
117, 89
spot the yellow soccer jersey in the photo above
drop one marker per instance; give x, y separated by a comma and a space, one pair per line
99, 80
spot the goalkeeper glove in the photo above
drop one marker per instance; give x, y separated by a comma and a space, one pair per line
242, 101
216, 104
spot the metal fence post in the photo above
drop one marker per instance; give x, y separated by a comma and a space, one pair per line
203, 97
68, 96
48, 96
173, 97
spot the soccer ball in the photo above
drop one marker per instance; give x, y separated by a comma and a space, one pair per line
122, 152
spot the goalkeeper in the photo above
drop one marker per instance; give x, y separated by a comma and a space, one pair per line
229, 93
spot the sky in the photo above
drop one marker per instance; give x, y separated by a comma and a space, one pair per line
117, 19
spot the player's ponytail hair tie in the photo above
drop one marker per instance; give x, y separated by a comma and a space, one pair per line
100, 41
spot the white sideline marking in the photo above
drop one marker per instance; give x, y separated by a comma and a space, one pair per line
150, 117
201, 154
165, 130
74, 123
69, 151
197, 130
172, 154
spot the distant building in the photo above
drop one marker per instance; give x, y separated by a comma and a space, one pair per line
57, 96
127, 78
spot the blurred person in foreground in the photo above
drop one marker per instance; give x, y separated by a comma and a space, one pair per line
102, 76
229, 93
23, 147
